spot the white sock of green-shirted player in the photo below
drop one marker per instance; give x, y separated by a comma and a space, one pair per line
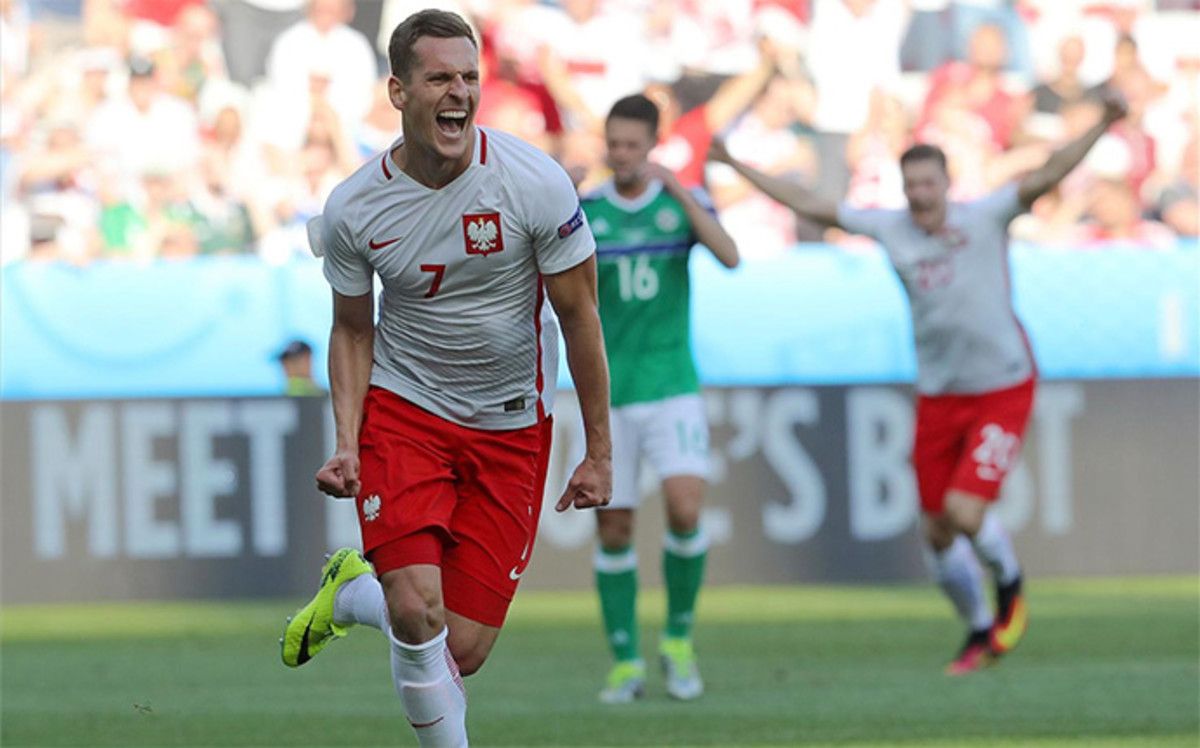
958, 574
361, 600
431, 690
684, 555
995, 547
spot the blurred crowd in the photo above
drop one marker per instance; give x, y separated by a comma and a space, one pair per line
139, 129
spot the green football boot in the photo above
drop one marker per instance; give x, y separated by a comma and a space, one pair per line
312, 627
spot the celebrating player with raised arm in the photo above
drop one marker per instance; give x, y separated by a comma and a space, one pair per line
646, 224
443, 408
975, 370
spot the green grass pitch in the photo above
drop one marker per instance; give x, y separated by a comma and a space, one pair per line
1107, 662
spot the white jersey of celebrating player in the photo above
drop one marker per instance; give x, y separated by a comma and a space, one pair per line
463, 330
968, 337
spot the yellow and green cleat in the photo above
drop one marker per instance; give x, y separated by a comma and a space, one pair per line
625, 684
679, 666
312, 627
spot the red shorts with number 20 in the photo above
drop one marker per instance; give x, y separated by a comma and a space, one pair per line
467, 500
968, 442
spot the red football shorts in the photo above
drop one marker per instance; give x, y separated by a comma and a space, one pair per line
467, 500
968, 442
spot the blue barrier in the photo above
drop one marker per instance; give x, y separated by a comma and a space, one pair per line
818, 315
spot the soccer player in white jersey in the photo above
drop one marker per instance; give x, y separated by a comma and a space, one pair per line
975, 370
442, 409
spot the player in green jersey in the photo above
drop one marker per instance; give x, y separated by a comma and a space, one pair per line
645, 223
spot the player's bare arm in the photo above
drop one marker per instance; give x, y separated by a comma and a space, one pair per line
573, 295
708, 230
1061, 162
802, 201
351, 345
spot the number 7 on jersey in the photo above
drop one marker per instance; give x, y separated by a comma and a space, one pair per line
438, 271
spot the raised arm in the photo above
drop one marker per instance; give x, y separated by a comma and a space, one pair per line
572, 293
1061, 162
735, 95
708, 230
802, 201
351, 348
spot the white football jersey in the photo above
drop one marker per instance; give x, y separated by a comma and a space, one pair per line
464, 330
968, 337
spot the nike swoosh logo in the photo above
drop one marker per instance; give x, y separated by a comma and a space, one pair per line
422, 725
380, 245
302, 656
515, 575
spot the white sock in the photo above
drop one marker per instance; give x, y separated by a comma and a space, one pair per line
995, 547
958, 574
431, 690
361, 601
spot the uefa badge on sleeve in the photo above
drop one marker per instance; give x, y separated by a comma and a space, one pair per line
482, 234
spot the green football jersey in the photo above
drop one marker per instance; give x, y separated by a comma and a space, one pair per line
642, 248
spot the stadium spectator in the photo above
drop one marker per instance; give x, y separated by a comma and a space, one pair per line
58, 180
379, 125
581, 153
1141, 147
178, 106
873, 155
152, 220
578, 63
105, 24
846, 74
91, 74
297, 197
223, 223
1178, 203
1065, 86
446, 455
509, 106
323, 45
940, 31
975, 370
685, 136
227, 147
1052, 220
646, 223
14, 40
194, 56
163, 13
145, 129
1124, 61
979, 86
248, 30
766, 137
1115, 217
394, 12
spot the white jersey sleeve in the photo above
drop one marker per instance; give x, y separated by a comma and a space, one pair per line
346, 267
1003, 205
558, 227
867, 222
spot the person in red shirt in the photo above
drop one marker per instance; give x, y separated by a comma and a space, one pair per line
980, 79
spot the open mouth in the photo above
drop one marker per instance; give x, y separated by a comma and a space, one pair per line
452, 122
